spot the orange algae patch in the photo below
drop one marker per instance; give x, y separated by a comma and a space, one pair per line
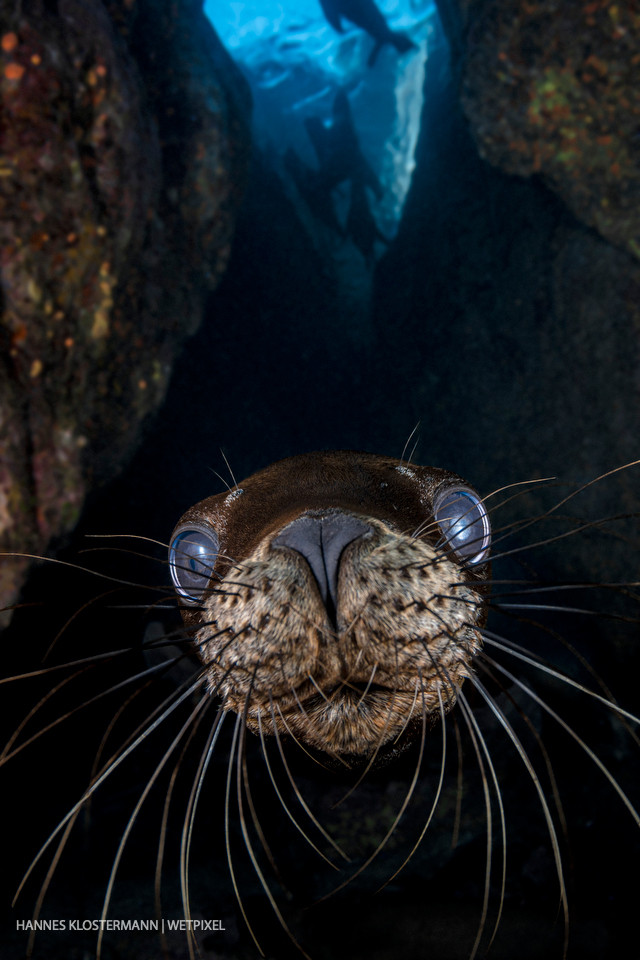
19, 335
9, 42
13, 71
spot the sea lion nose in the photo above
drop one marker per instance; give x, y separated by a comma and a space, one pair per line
320, 540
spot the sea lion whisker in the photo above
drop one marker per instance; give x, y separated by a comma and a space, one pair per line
144, 727
457, 819
299, 743
430, 524
621, 587
359, 657
242, 757
536, 481
81, 610
156, 668
374, 753
82, 569
369, 682
475, 731
222, 480
227, 832
571, 496
94, 772
93, 659
129, 552
332, 753
228, 466
217, 661
51, 869
282, 800
319, 689
162, 836
170, 638
572, 733
190, 815
249, 846
484, 662
553, 836
298, 793
424, 527
410, 711
391, 830
201, 706
584, 663
508, 646
558, 608
477, 738
107, 733
129, 536
438, 788
106, 772
407, 442
599, 524
66, 833
34, 710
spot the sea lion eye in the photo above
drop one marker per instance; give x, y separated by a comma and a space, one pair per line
464, 521
192, 557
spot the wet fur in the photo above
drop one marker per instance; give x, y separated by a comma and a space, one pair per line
236, 756
381, 636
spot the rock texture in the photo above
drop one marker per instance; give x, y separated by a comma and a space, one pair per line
552, 87
124, 138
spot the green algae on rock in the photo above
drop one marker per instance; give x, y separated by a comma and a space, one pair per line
553, 89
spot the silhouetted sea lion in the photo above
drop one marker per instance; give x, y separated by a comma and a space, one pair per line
365, 14
340, 156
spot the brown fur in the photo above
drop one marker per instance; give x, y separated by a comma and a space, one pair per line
408, 614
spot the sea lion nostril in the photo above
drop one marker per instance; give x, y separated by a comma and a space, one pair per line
320, 539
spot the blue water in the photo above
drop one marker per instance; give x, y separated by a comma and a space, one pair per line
295, 61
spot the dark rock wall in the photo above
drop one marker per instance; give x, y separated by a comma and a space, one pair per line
553, 89
124, 140
512, 326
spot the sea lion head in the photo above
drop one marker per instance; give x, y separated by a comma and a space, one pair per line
336, 597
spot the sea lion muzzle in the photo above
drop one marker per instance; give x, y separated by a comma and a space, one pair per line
336, 597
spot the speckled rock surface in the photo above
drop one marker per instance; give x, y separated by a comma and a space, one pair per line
124, 138
552, 87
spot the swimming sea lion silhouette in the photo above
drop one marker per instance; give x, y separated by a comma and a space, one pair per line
365, 14
338, 150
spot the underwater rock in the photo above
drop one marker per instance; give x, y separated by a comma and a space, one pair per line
124, 149
552, 89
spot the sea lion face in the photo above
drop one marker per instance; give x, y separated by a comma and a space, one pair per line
336, 597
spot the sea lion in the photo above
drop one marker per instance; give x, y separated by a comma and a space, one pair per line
338, 150
336, 595
365, 14
335, 600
